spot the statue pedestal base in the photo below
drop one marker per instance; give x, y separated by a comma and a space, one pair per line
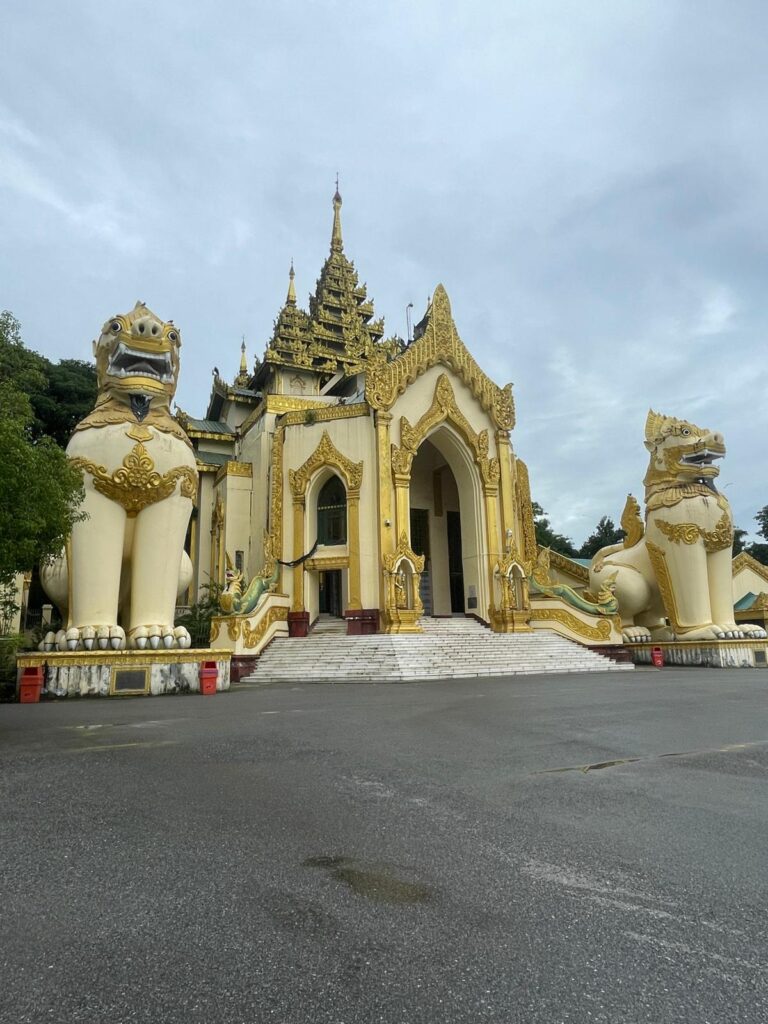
125, 673
705, 653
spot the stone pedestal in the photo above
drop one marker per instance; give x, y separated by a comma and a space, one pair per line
362, 621
124, 673
706, 654
298, 623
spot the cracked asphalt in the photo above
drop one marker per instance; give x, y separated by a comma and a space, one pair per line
542, 849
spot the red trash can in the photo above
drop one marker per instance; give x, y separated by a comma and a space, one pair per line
31, 684
209, 675
657, 657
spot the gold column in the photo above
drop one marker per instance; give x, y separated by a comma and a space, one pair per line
299, 507
276, 501
353, 515
222, 559
403, 505
387, 534
491, 505
507, 487
194, 554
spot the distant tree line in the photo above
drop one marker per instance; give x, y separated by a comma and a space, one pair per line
606, 532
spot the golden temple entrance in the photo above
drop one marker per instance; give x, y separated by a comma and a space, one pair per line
443, 519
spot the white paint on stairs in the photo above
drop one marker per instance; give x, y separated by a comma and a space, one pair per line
448, 648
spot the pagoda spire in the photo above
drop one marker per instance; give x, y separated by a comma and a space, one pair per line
336, 242
243, 360
291, 297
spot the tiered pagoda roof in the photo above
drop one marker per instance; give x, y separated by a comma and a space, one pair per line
339, 333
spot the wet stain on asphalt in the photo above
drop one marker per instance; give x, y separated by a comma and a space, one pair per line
584, 768
376, 882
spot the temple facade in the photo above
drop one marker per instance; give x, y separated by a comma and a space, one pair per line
367, 478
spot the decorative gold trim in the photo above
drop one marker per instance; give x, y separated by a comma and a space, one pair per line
204, 435
233, 468
137, 659
568, 566
323, 413
325, 564
444, 408
252, 637
137, 484
326, 454
632, 522
138, 432
688, 533
746, 561
601, 631
659, 563
402, 608
530, 547
440, 343
276, 499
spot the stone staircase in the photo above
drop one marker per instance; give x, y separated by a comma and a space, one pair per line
448, 648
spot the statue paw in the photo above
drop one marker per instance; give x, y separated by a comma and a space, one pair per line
636, 635
159, 637
752, 632
88, 638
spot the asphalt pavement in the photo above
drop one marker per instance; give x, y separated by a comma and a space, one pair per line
586, 848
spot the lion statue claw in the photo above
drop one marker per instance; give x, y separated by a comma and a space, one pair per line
673, 574
124, 565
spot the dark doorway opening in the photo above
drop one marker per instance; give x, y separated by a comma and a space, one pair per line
455, 562
330, 593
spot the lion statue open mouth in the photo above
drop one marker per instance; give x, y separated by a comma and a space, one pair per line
673, 572
117, 582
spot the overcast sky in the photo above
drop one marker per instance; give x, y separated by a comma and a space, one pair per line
589, 180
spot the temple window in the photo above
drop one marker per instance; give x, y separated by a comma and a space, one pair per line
332, 513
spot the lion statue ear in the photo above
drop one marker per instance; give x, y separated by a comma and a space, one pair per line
653, 425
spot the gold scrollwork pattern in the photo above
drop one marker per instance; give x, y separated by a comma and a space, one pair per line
688, 533
326, 454
530, 548
439, 343
444, 407
252, 637
600, 631
137, 483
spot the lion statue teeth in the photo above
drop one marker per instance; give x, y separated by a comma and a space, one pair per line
673, 577
124, 566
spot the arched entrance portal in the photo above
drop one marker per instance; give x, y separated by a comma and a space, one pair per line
447, 527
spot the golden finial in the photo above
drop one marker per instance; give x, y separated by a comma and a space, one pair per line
243, 360
291, 298
336, 242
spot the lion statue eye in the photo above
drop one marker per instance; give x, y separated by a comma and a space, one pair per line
173, 336
115, 326
685, 431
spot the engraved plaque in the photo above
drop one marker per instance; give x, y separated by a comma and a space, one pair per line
129, 680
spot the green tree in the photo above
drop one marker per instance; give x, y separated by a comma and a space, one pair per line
60, 393
738, 540
40, 493
69, 396
547, 537
605, 533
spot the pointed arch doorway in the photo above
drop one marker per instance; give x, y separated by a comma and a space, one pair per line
447, 526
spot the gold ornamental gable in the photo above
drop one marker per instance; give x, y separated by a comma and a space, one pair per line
440, 343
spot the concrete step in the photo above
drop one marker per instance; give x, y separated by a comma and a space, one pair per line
448, 648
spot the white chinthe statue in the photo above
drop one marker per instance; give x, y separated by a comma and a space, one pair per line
673, 575
124, 565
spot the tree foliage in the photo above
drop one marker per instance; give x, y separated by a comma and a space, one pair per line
605, 533
39, 491
61, 394
547, 537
